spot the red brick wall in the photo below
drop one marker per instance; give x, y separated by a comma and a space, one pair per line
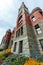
38, 17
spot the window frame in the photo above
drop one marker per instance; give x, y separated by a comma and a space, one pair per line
33, 18
38, 29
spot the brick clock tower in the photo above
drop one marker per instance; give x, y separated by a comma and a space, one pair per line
24, 41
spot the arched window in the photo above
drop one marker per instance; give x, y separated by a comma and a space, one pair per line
41, 42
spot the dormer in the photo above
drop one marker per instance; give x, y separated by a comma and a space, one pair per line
36, 16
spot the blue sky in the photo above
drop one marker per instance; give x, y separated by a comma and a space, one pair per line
9, 12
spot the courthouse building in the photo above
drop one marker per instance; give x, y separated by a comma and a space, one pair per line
27, 37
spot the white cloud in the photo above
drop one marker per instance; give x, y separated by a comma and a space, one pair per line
5, 3
7, 9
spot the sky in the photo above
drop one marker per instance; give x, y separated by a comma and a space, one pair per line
9, 12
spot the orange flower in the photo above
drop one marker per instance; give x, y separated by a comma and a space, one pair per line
33, 62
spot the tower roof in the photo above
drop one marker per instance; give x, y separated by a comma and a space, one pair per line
36, 9
23, 6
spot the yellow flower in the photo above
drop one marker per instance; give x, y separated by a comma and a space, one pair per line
7, 50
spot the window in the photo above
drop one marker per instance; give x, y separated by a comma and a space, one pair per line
33, 18
21, 30
20, 46
20, 11
15, 46
41, 42
40, 12
18, 33
19, 18
25, 7
38, 30
26, 11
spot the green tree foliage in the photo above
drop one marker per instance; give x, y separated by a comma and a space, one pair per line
1, 49
2, 56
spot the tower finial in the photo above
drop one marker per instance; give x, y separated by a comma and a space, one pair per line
22, 2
